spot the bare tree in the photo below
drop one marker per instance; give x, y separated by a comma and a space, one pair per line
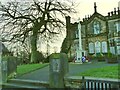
33, 18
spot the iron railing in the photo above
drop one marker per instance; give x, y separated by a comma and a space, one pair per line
90, 83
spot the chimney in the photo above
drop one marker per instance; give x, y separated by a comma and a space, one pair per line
118, 11
112, 13
115, 11
68, 26
108, 13
83, 19
88, 16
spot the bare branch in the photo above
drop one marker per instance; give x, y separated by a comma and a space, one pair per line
36, 18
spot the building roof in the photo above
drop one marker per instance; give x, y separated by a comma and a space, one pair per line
111, 15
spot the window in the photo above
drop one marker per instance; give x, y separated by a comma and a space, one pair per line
97, 47
104, 47
96, 27
91, 47
118, 50
112, 50
117, 26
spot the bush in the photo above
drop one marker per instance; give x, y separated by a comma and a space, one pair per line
71, 59
23, 58
46, 60
39, 57
99, 57
9, 58
111, 58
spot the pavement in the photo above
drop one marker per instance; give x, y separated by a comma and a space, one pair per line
74, 69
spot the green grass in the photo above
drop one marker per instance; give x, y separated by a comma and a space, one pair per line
105, 72
22, 69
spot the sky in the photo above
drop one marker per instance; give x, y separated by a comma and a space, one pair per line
84, 7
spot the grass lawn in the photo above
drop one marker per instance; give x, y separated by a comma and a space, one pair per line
22, 69
105, 72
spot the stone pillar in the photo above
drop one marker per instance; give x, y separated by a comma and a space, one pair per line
58, 70
4, 71
0, 64
0, 71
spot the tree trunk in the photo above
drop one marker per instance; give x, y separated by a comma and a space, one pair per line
34, 53
33, 48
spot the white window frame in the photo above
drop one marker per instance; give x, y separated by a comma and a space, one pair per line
104, 47
117, 25
96, 27
112, 50
91, 47
97, 47
118, 50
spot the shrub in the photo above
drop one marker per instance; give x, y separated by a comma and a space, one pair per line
100, 57
46, 60
40, 57
111, 58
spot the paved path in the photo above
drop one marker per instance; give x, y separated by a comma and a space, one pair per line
77, 68
40, 74
43, 74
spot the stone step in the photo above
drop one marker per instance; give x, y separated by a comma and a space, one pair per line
20, 83
13, 85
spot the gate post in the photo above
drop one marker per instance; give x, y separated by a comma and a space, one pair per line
58, 69
4, 71
0, 70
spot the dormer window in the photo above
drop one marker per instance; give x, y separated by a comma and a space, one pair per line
96, 27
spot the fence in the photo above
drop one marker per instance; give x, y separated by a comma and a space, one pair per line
88, 83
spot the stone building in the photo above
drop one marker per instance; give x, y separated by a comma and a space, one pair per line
100, 34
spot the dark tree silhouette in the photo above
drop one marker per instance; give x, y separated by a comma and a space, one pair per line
34, 18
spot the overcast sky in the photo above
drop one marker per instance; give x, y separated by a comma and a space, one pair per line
86, 7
